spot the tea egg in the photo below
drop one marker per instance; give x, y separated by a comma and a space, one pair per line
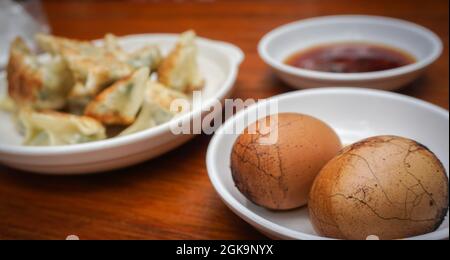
276, 159
386, 186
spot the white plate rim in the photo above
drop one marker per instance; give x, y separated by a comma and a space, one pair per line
271, 227
351, 77
236, 56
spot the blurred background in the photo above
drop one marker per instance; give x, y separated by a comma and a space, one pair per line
242, 22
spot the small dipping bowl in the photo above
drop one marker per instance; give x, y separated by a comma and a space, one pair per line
279, 44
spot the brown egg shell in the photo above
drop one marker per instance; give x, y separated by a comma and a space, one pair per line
386, 186
279, 175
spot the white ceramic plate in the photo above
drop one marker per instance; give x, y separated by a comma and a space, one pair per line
282, 42
355, 114
219, 63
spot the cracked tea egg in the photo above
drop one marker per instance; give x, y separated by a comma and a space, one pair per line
275, 160
387, 186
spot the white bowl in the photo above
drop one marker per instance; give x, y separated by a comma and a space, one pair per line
355, 114
282, 42
219, 63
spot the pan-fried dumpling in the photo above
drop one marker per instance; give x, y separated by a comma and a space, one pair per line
77, 105
157, 107
152, 114
59, 45
120, 103
42, 85
180, 69
93, 67
112, 45
147, 56
163, 95
54, 128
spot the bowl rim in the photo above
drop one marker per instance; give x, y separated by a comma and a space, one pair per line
435, 53
235, 56
269, 226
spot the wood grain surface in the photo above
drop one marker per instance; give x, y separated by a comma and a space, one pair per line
171, 197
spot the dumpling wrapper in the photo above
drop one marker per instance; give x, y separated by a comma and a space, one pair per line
179, 70
54, 128
163, 95
151, 115
147, 56
40, 85
120, 103
157, 108
93, 67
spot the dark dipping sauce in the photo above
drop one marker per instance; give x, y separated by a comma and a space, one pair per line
350, 58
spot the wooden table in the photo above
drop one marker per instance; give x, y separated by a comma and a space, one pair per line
171, 197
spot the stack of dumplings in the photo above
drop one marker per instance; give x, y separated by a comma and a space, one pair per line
79, 91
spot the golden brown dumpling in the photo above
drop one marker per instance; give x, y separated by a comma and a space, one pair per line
163, 95
53, 128
152, 114
93, 67
179, 70
42, 85
157, 108
120, 103
147, 56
